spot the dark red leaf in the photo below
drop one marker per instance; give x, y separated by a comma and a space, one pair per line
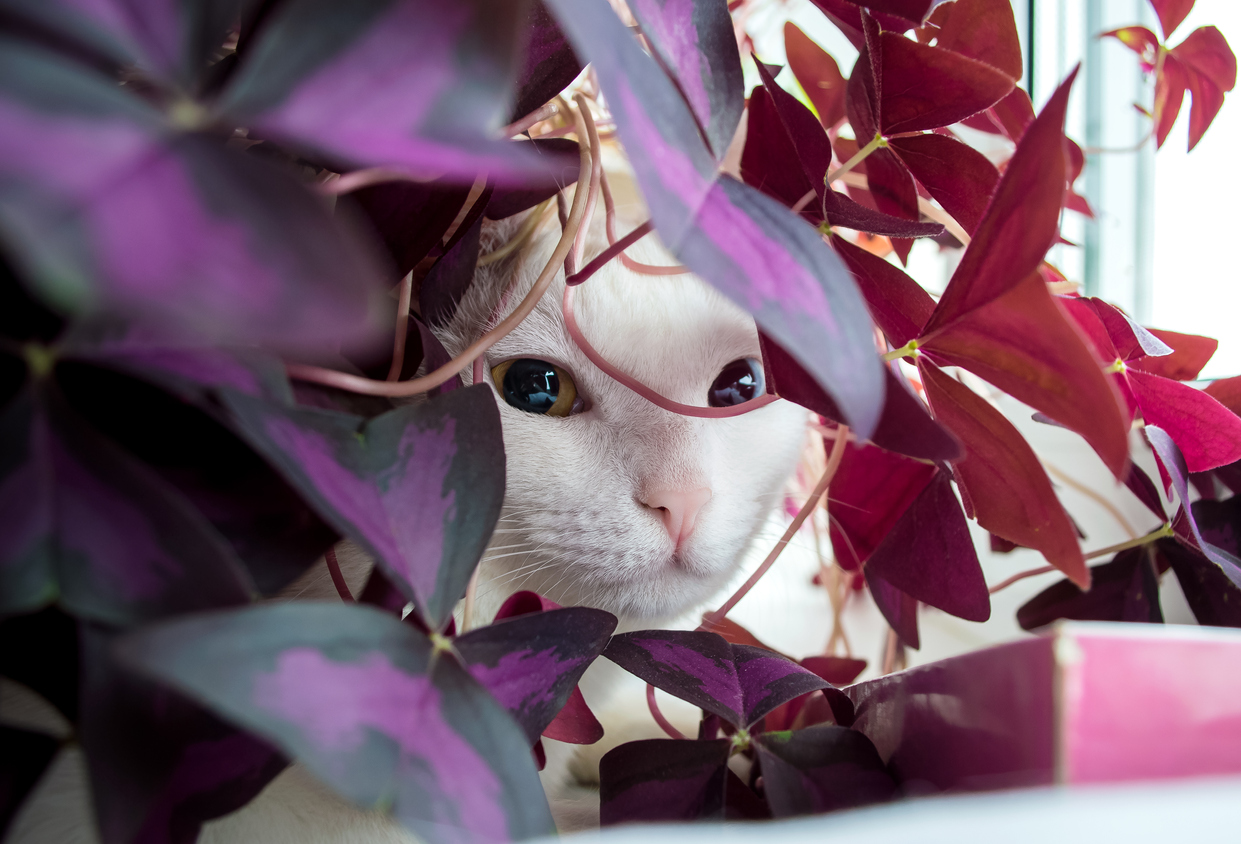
1126, 589
1208, 434
837, 670
1014, 113
663, 780
915, 11
1214, 599
548, 64
1226, 391
897, 608
983, 30
1206, 53
1144, 489
524, 603
1130, 340
1021, 222
1190, 352
821, 769
1170, 88
1023, 343
924, 87
818, 74
1007, 485
1140, 40
899, 305
870, 493
1171, 13
848, 19
958, 176
1208, 99
929, 555
575, 723
893, 190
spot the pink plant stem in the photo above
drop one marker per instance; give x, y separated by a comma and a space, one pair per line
664, 723
402, 327
609, 207
545, 112
641, 389
608, 254
358, 179
477, 372
400, 389
1004, 584
820, 489
596, 175
338, 579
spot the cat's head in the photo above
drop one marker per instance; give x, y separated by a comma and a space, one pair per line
612, 501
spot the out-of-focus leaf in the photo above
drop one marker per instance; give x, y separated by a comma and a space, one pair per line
160, 765
929, 555
821, 769
1207, 433
24, 756
1126, 589
663, 780
818, 74
1007, 486
531, 664
574, 723
52, 668
899, 609
1190, 352
982, 30
739, 683
958, 176
1214, 598
872, 489
84, 523
1140, 40
1171, 13
562, 160
410, 218
914, 11
837, 670
1226, 391
412, 85
696, 45
905, 426
361, 700
1170, 86
442, 288
548, 65
1020, 224
1210, 71
747, 245
1023, 343
419, 487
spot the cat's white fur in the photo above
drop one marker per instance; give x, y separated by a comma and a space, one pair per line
574, 526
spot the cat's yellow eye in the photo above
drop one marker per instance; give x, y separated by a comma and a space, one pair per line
536, 386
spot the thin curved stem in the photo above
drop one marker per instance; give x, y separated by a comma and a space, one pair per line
1153, 536
1101, 500
358, 179
368, 386
402, 327
608, 254
1004, 584
544, 112
528, 227
338, 578
820, 489
860, 156
609, 207
664, 723
596, 176
570, 321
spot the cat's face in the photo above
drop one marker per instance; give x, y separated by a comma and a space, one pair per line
623, 505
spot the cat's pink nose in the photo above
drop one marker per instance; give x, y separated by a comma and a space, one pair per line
679, 509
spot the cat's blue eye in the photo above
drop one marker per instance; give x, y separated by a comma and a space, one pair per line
536, 386
739, 382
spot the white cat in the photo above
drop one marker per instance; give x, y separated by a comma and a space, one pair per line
611, 502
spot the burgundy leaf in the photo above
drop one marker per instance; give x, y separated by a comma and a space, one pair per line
1190, 352
898, 609
837, 670
1131, 340
562, 160
355, 696
433, 92
739, 683
1171, 13
821, 769
1207, 433
1007, 486
1140, 40
663, 780
929, 555
818, 74
532, 663
905, 426
410, 218
524, 603
1214, 598
1172, 464
747, 245
1220, 523
847, 16
982, 30
1140, 484
1170, 86
575, 723
958, 176
1206, 53
696, 45
548, 64
443, 287
419, 487
1014, 114
1022, 343
1226, 391
915, 11
1126, 589
872, 489
1020, 223
899, 305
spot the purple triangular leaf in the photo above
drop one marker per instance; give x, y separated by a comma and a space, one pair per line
821, 769
898, 608
436, 85
663, 780
562, 162
531, 664
194, 767
442, 288
1141, 485
930, 556
1214, 599
1220, 523
362, 701
746, 244
696, 44
768, 679
548, 64
1126, 589
419, 487
410, 218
